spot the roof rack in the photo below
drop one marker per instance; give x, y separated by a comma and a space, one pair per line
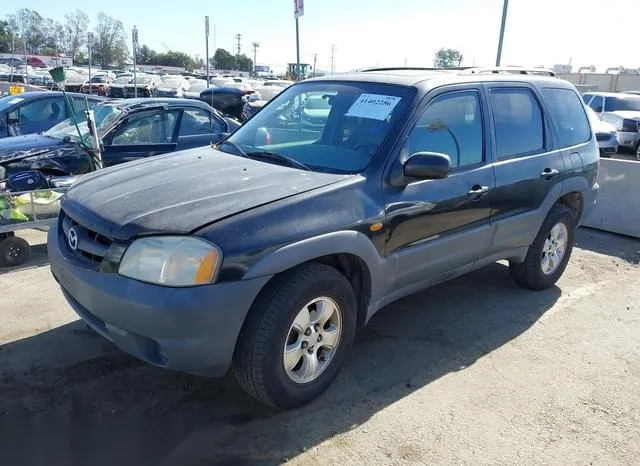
512, 69
400, 68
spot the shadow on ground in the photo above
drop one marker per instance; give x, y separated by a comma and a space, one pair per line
117, 410
626, 248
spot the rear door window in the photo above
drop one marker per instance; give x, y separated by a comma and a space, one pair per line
568, 115
518, 122
47, 109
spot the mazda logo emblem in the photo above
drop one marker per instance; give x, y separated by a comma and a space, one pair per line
73, 239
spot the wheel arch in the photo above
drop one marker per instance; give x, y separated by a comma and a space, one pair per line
350, 252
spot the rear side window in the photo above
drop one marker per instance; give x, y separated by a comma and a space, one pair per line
518, 121
568, 115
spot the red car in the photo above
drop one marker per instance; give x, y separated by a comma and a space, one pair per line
97, 85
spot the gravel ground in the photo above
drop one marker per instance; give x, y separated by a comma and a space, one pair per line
474, 371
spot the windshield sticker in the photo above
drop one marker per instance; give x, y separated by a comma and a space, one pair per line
373, 106
15, 101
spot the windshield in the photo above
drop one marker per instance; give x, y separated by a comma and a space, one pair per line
142, 80
172, 83
622, 103
99, 79
104, 114
198, 86
327, 126
123, 79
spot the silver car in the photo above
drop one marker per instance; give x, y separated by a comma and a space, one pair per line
606, 134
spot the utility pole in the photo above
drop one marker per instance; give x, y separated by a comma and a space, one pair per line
13, 54
238, 38
255, 46
298, 10
134, 40
502, 26
315, 59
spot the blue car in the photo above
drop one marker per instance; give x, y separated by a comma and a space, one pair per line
128, 130
34, 112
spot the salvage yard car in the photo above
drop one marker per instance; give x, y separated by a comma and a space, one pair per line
266, 252
36, 111
128, 130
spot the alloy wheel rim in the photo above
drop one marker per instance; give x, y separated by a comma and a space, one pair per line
312, 340
554, 249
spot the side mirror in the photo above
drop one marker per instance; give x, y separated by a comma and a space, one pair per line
427, 166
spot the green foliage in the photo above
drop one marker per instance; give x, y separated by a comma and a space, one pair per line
447, 58
223, 60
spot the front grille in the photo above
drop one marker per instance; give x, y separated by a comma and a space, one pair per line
603, 136
86, 244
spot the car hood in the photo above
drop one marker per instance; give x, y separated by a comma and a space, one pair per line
182, 192
600, 126
16, 147
628, 114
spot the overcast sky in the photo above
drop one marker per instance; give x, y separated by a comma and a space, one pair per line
374, 32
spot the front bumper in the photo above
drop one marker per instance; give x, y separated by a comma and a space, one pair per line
186, 329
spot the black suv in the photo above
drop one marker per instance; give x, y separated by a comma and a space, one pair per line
267, 252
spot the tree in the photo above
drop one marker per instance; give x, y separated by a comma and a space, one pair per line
224, 60
5, 37
146, 56
447, 58
109, 45
27, 25
75, 33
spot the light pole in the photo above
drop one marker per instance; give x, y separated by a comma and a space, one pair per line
206, 34
255, 46
502, 26
134, 41
298, 10
89, 43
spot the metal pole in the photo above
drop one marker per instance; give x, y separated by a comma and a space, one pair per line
26, 63
89, 53
206, 33
297, 51
135, 54
13, 54
502, 26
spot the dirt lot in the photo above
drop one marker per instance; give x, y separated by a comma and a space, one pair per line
475, 371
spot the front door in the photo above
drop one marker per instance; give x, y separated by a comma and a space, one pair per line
142, 134
440, 227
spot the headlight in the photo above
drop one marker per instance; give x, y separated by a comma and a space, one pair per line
171, 261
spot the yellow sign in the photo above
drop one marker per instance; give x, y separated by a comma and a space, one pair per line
13, 90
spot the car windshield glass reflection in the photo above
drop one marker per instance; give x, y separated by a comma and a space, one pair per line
325, 126
105, 115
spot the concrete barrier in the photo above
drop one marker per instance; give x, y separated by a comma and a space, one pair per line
618, 207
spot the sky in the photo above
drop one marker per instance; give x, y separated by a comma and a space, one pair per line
368, 33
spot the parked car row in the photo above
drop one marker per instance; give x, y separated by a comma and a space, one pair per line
619, 111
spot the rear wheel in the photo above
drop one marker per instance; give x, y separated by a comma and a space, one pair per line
297, 336
14, 251
550, 252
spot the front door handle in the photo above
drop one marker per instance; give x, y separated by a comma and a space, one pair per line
478, 191
549, 173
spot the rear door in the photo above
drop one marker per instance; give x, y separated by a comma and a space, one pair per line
142, 134
439, 227
528, 163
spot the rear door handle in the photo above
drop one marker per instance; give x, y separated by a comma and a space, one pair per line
549, 173
478, 191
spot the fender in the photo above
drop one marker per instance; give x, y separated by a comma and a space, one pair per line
345, 242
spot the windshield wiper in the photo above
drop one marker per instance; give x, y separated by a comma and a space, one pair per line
234, 145
281, 157
82, 144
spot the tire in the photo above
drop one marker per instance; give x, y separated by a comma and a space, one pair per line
14, 251
638, 151
530, 273
259, 360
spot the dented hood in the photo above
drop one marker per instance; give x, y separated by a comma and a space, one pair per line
181, 192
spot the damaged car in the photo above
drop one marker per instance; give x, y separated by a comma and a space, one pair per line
127, 129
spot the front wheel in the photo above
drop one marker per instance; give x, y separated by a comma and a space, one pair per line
550, 252
297, 336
